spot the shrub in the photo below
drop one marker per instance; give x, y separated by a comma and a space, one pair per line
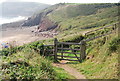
23, 67
28, 72
114, 44
73, 38
37, 46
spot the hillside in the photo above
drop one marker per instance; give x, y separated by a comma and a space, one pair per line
13, 9
71, 22
74, 17
102, 58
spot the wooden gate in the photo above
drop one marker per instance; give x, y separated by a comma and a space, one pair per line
66, 50
69, 51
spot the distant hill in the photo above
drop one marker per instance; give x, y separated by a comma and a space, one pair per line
12, 9
66, 17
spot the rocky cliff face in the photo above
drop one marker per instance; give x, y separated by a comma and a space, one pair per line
42, 20
34, 20
46, 24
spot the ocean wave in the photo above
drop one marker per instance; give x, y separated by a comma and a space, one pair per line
9, 20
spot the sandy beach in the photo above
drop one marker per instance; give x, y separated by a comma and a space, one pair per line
19, 35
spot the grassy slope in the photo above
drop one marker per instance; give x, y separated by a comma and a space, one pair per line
70, 26
29, 64
65, 11
103, 63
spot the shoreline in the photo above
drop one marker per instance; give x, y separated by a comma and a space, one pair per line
20, 36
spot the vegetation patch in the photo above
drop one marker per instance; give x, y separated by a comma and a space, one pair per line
29, 64
102, 59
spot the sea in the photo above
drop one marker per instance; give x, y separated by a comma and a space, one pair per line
4, 20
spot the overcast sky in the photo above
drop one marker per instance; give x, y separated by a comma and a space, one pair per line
62, 1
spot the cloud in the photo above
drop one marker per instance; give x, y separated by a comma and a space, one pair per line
10, 1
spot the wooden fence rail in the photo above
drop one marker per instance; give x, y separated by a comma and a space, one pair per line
69, 49
114, 27
98, 36
48, 45
69, 43
114, 30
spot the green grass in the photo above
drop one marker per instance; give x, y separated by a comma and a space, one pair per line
99, 16
72, 27
26, 64
62, 74
102, 64
69, 54
69, 11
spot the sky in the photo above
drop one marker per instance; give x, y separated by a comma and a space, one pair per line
62, 1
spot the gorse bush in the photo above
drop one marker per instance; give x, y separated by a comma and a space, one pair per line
9, 51
26, 64
34, 45
28, 72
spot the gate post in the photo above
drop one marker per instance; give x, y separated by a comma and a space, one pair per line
55, 49
62, 51
83, 50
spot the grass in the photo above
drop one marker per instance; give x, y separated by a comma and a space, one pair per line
102, 15
102, 63
69, 54
61, 74
69, 28
28, 64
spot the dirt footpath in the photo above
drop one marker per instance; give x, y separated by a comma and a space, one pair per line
70, 70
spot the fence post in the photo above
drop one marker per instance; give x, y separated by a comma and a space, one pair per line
83, 50
115, 28
55, 49
42, 50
